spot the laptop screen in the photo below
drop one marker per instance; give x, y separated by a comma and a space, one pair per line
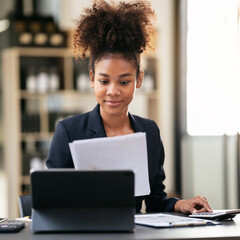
70, 188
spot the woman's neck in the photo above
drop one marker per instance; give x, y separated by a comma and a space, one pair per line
116, 125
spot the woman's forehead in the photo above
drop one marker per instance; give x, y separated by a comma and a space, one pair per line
120, 60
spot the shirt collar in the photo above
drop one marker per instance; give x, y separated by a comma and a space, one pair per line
96, 124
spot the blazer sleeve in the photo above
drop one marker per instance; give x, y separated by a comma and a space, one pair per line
59, 155
158, 201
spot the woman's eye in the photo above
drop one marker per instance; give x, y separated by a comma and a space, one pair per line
103, 81
124, 83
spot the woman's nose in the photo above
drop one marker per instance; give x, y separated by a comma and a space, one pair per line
112, 89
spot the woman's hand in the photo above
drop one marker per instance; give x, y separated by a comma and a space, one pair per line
193, 205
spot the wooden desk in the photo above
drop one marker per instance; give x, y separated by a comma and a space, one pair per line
229, 230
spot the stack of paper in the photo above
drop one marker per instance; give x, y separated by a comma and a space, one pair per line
115, 153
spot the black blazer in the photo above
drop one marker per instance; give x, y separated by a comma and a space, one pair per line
89, 125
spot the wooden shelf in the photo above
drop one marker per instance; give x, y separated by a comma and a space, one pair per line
72, 93
41, 136
41, 52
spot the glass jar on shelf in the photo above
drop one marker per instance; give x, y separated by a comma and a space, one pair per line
43, 80
31, 80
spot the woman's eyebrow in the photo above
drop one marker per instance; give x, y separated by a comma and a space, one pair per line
120, 76
103, 74
125, 75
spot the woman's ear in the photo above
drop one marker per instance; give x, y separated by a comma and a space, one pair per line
140, 79
91, 78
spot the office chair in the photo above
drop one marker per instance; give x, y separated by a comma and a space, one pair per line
25, 205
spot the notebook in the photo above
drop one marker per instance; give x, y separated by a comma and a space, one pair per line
69, 200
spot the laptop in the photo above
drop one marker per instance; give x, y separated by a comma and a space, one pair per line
69, 200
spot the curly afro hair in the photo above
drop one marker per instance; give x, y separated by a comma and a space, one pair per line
106, 28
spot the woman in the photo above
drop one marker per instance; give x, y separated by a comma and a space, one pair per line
115, 36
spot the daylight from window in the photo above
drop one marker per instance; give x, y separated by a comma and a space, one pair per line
213, 67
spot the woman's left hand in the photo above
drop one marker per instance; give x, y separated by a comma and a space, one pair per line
193, 205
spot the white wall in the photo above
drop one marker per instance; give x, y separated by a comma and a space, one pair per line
209, 169
70, 10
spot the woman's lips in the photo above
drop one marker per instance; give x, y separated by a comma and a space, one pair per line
113, 103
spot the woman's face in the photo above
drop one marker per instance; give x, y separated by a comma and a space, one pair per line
114, 84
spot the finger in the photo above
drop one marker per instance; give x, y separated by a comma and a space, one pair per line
201, 199
198, 207
201, 210
194, 207
193, 210
202, 205
206, 205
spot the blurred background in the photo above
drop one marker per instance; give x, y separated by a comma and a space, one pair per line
191, 89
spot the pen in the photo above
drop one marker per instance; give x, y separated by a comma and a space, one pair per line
181, 224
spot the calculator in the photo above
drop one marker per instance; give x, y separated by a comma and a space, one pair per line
216, 214
11, 227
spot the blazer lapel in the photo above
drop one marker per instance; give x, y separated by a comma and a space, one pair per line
135, 125
95, 123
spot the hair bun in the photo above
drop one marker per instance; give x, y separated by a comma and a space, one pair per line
109, 27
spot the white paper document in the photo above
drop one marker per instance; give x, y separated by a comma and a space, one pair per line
127, 152
160, 220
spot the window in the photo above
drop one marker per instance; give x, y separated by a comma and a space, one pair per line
213, 67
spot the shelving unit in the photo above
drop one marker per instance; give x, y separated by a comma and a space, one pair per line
22, 143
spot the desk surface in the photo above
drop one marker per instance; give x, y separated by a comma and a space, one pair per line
228, 230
